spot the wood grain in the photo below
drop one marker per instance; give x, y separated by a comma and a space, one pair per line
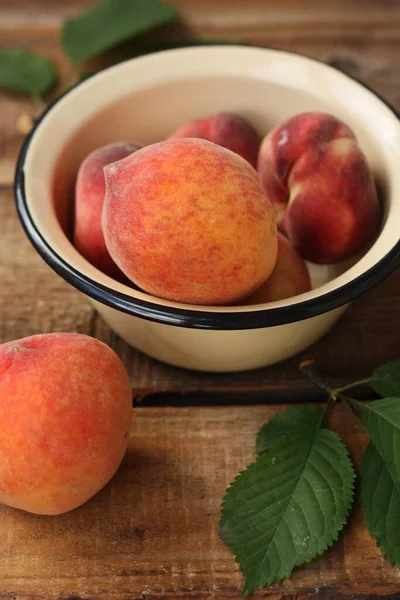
152, 532
226, 14
360, 38
34, 299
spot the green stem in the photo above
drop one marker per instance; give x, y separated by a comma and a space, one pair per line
349, 386
327, 408
308, 369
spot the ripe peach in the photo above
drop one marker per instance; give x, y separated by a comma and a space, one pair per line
66, 409
321, 187
187, 220
89, 200
225, 129
289, 278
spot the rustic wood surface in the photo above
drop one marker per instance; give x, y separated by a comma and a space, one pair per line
33, 299
152, 533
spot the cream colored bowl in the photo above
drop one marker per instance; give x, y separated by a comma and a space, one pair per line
145, 99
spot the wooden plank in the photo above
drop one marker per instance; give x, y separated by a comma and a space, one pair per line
34, 299
208, 14
152, 533
372, 58
374, 63
363, 39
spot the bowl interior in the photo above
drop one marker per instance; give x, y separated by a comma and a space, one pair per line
147, 98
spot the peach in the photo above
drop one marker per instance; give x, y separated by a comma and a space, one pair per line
321, 187
289, 278
225, 129
66, 409
187, 220
89, 200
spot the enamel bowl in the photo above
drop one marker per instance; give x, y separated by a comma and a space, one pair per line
145, 99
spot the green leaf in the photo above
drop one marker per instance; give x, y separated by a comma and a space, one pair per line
385, 380
293, 418
381, 502
382, 421
289, 505
111, 22
23, 71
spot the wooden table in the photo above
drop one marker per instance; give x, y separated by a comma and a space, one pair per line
152, 533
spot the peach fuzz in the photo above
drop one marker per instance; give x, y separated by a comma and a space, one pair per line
321, 187
289, 278
187, 220
89, 199
66, 409
225, 129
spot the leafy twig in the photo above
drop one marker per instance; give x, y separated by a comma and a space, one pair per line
269, 518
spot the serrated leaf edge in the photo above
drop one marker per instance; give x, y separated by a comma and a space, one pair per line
370, 407
377, 538
333, 535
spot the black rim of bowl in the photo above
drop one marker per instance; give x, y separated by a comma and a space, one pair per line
188, 317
